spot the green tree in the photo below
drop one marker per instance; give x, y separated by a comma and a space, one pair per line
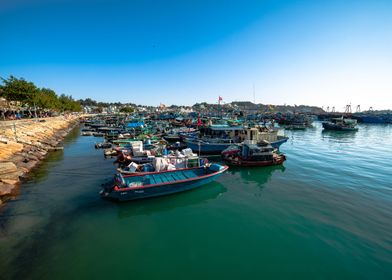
127, 110
47, 99
87, 102
67, 103
14, 89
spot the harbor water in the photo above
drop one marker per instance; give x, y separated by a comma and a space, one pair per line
325, 214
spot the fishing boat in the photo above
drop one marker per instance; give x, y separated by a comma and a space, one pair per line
176, 146
172, 137
178, 134
208, 146
103, 145
133, 150
153, 184
252, 155
374, 117
98, 134
341, 124
86, 133
215, 146
296, 126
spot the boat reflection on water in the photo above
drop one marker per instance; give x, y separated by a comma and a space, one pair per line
339, 136
258, 175
166, 203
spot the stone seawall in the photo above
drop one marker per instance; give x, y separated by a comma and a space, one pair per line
23, 144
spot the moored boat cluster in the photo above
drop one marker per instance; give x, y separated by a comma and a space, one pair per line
157, 157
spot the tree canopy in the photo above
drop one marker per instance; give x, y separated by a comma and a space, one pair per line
14, 89
127, 110
27, 93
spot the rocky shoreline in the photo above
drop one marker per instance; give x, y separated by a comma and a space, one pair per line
24, 144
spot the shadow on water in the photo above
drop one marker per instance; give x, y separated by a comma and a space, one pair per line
31, 250
41, 173
38, 217
52, 158
150, 206
35, 246
258, 175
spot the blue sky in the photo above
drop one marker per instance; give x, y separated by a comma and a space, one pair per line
324, 53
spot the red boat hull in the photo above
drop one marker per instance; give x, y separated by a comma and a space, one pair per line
250, 163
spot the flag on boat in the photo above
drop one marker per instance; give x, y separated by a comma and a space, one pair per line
198, 121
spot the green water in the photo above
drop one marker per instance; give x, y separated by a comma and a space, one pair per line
326, 214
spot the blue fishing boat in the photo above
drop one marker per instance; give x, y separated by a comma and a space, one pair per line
208, 147
281, 139
153, 184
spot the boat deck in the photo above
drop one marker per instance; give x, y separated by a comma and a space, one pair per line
163, 178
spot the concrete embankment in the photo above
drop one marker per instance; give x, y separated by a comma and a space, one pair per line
23, 144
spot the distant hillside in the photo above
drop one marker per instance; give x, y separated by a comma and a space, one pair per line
265, 108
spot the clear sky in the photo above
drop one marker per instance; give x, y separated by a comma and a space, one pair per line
324, 53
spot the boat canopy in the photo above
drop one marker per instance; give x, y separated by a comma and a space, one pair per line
135, 124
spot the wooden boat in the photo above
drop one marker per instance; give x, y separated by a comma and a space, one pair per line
153, 184
252, 155
341, 124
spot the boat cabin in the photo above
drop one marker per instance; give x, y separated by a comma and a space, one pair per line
240, 133
256, 152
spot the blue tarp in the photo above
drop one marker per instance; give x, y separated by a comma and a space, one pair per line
135, 124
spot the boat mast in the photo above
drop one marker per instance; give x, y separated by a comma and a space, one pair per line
254, 94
